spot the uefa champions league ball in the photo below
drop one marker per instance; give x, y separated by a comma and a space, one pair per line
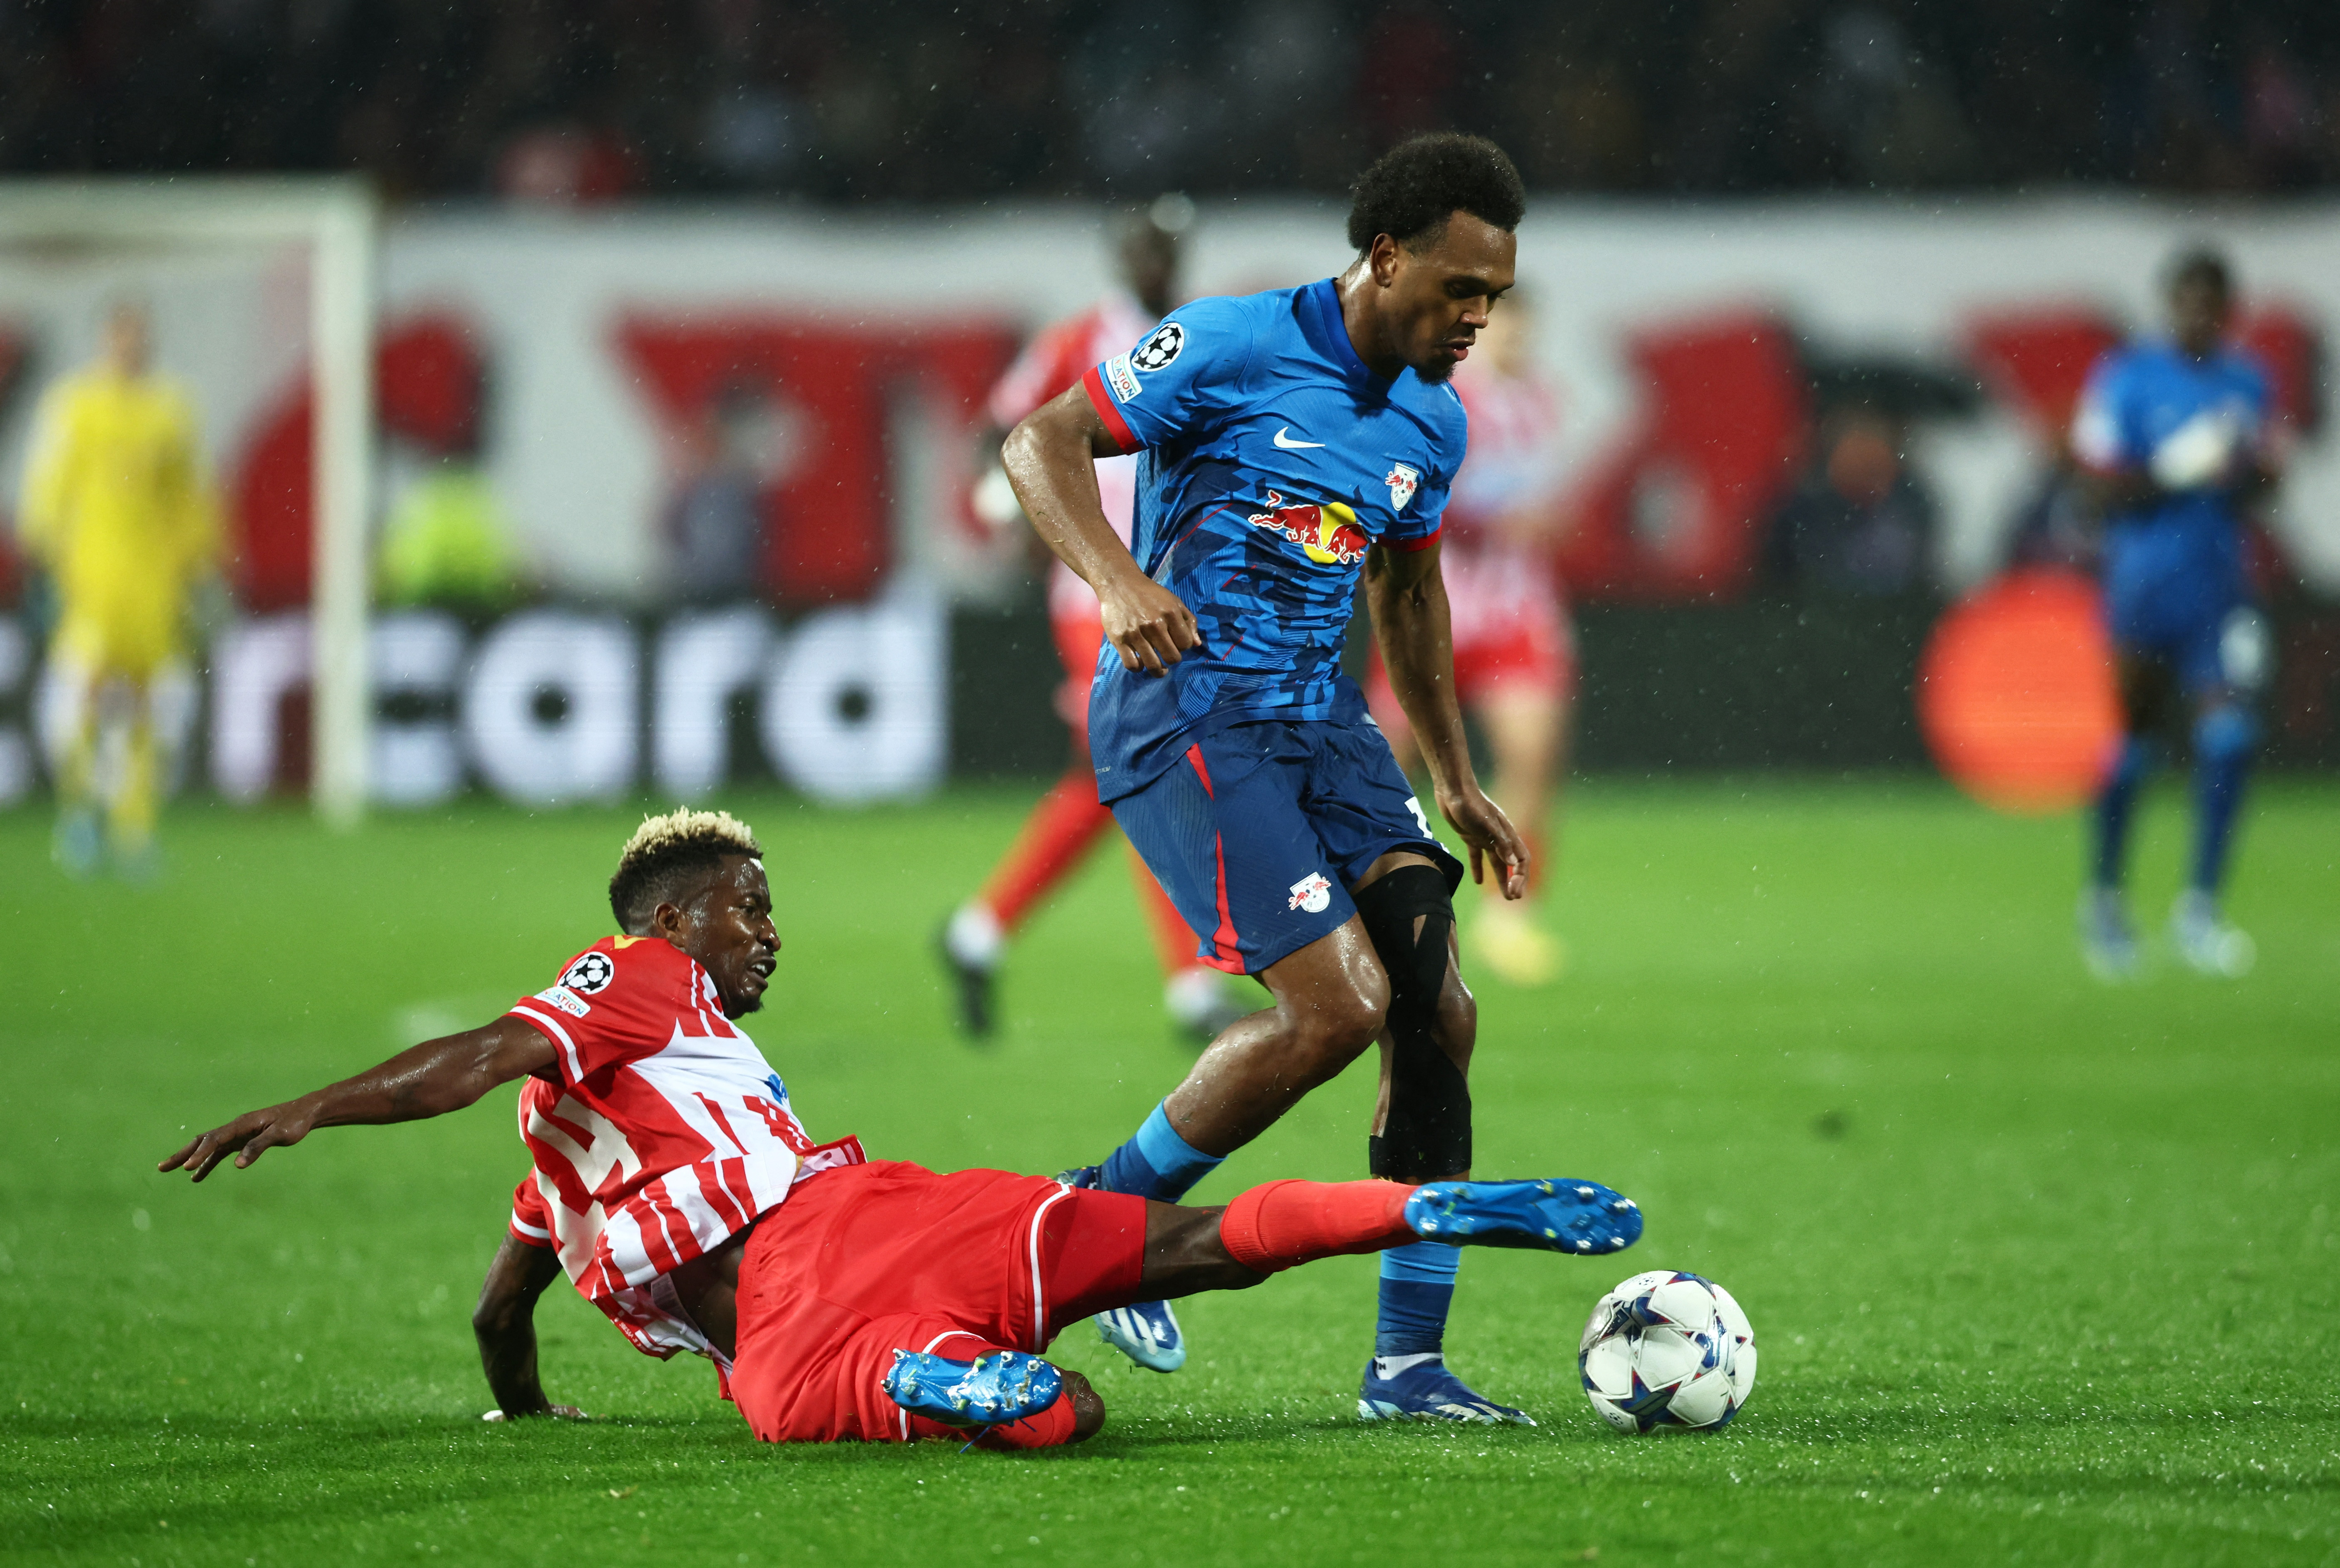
1668, 1350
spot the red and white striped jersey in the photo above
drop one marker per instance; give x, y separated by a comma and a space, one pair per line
1056, 358
668, 1134
1513, 458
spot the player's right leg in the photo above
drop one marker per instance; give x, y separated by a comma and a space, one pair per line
1225, 832
69, 734
1281, 1225
2108, 942
1054, 839
1328, 1003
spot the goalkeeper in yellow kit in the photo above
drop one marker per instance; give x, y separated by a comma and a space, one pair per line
119, 512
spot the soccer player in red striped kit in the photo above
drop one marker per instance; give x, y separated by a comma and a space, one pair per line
840, 1297
1068, 820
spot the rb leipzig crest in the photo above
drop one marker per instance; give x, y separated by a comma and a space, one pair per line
1403, 482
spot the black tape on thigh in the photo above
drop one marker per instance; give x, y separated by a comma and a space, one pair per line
1427, 1134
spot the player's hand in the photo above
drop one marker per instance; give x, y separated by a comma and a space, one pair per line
1495, 844
246, 1138
1149, 626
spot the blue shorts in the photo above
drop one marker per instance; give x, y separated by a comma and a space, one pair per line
2189, 636
2174, 607
1259, 830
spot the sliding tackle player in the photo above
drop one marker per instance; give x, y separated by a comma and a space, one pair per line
840, 1297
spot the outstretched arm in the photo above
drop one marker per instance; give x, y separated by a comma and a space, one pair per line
1050, 459
427, 1080
1411, 620
504, 1323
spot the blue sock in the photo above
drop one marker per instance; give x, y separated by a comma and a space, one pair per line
2224, 739
1417, 1287
1157, 1163
2114, 804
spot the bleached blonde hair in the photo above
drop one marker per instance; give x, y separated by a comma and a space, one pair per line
665, 852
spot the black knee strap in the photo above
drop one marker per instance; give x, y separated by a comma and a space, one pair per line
1427, 1134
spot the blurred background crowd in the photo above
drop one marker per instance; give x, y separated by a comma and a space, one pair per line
916, 101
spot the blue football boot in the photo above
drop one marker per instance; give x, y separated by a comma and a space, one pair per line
1146, 1331
1419, 1388
985, 1391
1571, 1217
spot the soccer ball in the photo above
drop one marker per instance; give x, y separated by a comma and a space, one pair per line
1666, 1349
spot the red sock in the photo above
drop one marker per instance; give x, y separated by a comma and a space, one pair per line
1050, 1428
1284, 1223
1055, 836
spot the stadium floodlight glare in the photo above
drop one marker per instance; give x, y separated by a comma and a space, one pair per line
336, 219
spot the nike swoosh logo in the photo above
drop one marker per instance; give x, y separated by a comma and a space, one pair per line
1293, 445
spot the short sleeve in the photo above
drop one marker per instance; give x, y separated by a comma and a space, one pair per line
2100, 437
1184, 378
1048, 365
532, 1221
613, 1003
1419, 520
1419, 500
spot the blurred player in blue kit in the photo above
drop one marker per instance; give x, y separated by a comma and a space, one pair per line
1295, 442
2173, 437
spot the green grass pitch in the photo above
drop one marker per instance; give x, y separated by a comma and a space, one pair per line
2040, 1271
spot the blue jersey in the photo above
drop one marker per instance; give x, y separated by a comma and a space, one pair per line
1273, 459
2179, 558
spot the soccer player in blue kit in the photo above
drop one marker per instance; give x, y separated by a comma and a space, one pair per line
2172, 435
1293, 442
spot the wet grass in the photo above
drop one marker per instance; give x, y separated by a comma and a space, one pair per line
2039, 1271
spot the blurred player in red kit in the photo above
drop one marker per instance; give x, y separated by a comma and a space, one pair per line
1068, 820
840, 1297
1514, 645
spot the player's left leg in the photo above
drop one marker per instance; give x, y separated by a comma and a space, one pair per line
1402, 882
959, 1386
1228, 833
136, 798
2146, 687
1422, 1133
885, 1302
2226, 663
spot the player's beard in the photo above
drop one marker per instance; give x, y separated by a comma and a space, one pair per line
1440, 369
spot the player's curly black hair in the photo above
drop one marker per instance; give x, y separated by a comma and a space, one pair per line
667, 855
2204, 264
1412, 189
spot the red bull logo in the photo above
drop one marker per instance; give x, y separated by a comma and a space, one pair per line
1328, 534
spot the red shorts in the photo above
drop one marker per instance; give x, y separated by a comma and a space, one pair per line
865, 1260
1512, 634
